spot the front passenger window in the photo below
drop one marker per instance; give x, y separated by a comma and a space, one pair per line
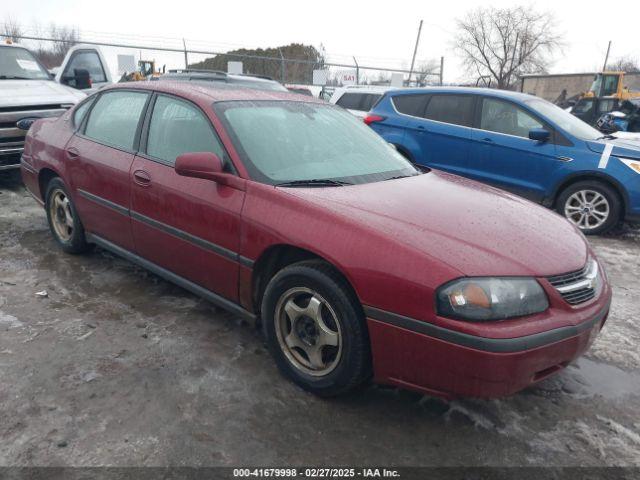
179, 127
505, 117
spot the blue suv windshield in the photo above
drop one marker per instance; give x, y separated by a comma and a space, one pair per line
564, 120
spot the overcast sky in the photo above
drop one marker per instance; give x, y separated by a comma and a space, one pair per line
379, 33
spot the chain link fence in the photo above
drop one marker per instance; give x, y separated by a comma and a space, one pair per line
291, 65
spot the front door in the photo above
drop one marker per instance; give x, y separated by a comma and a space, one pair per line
503, 154
188, 226
99, 158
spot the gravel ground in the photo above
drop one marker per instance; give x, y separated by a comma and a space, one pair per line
115, 366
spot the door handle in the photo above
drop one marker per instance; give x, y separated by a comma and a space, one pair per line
421, 128
72, 153
487, 139
142, 178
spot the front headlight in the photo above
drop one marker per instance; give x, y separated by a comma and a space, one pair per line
485, 299
633, 164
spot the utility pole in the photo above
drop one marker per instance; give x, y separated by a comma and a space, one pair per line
282, 66
606, 59
186, 60
415, 50
357, 71
441, 71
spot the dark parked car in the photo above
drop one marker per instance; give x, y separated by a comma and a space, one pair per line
289, 210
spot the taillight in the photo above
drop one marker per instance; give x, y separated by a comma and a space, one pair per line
369, 119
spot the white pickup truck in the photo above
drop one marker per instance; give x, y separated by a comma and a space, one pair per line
28, 92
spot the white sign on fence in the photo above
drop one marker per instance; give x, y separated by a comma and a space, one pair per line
397, 79
320, 76
347, 77
234, 68
126, 64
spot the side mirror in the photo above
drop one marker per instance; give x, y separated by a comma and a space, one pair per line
205, 165
82, 78
539, 135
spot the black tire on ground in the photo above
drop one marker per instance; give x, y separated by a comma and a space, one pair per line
352, 367
76, 241
568, 201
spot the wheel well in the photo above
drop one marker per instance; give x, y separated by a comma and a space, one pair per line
583, 178
276, 258
44, 177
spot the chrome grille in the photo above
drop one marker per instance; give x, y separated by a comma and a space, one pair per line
11, 137
579, 286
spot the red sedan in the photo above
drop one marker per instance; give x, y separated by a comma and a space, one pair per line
285, 209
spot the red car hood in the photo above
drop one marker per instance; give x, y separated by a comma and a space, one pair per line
474, 228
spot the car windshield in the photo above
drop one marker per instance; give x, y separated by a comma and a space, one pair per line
19, 63
283, 142
564, 120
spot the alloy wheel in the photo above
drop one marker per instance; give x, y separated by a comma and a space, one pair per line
61, 215
587, 209
308, 331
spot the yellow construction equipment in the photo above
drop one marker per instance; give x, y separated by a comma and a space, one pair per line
146, 71
610, 84
606, 94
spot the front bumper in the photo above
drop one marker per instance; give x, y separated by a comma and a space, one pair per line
447, 363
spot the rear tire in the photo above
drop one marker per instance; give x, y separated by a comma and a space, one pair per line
64, 221
592, 206
315, 329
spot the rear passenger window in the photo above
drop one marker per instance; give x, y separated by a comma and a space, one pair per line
368, 101
350, 101
114, 118
454, 109
505, 117
413, 105
179, 127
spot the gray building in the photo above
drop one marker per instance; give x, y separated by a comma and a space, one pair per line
550, 87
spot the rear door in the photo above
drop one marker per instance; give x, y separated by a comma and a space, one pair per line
99, 157
188, 226
503, 154
444, 132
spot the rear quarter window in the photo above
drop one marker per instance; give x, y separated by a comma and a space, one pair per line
413, 105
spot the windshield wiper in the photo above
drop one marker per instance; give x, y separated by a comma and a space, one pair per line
314, 182
606, 137
14, 77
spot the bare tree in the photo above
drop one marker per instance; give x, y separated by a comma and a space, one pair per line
53, 53
625, 64
427, 70
503, 43
11, 30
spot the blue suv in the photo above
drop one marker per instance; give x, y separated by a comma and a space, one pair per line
519, 143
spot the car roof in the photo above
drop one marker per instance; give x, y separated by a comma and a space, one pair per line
490, 92
212, 93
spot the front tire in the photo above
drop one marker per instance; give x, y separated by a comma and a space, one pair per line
592, 206
64, 221
315, 329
